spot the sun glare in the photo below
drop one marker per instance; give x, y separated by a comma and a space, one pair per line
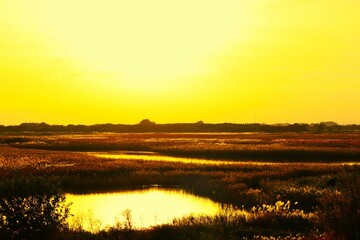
220, 60
145, 45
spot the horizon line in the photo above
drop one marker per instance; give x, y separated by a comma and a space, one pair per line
197, 122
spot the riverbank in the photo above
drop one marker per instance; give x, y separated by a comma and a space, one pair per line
309, 184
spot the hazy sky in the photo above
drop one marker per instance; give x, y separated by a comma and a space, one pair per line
114, 61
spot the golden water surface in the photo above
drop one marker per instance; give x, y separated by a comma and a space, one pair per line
145, 208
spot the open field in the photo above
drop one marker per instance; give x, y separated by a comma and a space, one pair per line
306, 169
247, 146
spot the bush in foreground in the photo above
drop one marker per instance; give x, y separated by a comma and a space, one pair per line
339, 212
31, 208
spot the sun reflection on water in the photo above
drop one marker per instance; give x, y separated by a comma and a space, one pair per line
146, 207
152, 156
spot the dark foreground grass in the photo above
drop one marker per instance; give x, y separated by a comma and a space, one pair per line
222, 226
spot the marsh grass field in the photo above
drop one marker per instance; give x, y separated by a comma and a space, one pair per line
293, 185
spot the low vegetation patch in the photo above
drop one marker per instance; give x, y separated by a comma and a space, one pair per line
31, 208
284, 200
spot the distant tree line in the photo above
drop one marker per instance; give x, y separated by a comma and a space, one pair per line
149, 126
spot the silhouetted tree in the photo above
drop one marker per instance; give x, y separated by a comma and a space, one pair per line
146, 122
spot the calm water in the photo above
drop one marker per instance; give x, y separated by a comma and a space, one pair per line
147, 208
153, 156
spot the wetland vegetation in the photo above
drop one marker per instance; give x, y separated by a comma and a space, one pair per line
292, 185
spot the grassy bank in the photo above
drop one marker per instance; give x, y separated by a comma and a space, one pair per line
234, 146
312, 185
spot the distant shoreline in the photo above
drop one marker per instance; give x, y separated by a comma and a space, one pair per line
146, 126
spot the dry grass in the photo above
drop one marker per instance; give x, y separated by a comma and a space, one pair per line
246, 184
274, 147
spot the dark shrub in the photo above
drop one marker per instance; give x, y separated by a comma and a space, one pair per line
340, 207
31, 208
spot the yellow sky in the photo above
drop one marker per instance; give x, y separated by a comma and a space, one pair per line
79, 61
